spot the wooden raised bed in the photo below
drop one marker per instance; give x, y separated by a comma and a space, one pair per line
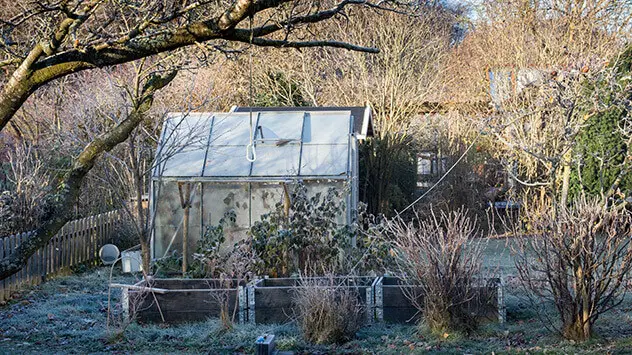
271, 300
183, 300
392, 305
266, 301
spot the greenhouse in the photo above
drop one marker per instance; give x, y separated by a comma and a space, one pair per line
244, 161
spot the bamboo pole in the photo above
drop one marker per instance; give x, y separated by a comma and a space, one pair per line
185, 202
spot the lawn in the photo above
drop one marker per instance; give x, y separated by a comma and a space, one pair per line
68, 315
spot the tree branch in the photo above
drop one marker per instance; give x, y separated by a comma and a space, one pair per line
264, 42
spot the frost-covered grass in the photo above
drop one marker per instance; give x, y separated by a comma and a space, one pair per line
68, 315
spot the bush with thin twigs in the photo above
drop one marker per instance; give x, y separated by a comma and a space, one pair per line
223, 291
578, 258
327, 312
442, 256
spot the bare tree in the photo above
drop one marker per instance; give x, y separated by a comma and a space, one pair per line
579, 259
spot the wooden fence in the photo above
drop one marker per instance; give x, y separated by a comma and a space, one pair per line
78, 242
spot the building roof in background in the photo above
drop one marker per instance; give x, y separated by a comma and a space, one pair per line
362, 115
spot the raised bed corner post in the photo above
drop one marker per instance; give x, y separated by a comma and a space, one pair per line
185, 203
125, 302
378, 302
369, 303
250, 292
502, 308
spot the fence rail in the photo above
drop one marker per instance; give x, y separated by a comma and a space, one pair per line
78, 242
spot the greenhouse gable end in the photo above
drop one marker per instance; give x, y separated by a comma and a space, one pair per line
208, 164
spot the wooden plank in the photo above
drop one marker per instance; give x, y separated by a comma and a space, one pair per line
60, 249
30, 276
90, 242
67, 245
8, 280
49, 256
56, 253
93, 241
140, 288
95, 238
37, 271
26, 277
47, 252
31, 262
13, 279
73, 242
22, 272
108, 229
2, 282
83, 255
81, 241
86, 239
102, 229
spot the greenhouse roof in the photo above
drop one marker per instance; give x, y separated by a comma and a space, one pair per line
287, 144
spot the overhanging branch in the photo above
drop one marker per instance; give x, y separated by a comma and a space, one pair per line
264, 42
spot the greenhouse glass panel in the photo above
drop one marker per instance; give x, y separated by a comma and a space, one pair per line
186, 130
227, 161
276, 161
280, 126
264, 198
322, 188
220, 198
184, 162
329, 160
232, 129
327, 128
170, 215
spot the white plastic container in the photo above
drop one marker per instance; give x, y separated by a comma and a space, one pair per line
132, 261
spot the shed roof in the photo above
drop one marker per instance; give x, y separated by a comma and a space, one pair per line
299, 143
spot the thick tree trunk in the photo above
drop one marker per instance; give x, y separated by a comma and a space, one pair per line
61, 212
579, 329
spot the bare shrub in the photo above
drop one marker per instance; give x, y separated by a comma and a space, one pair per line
327, 312
21, 206
579, 258
222, 290
439, 253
